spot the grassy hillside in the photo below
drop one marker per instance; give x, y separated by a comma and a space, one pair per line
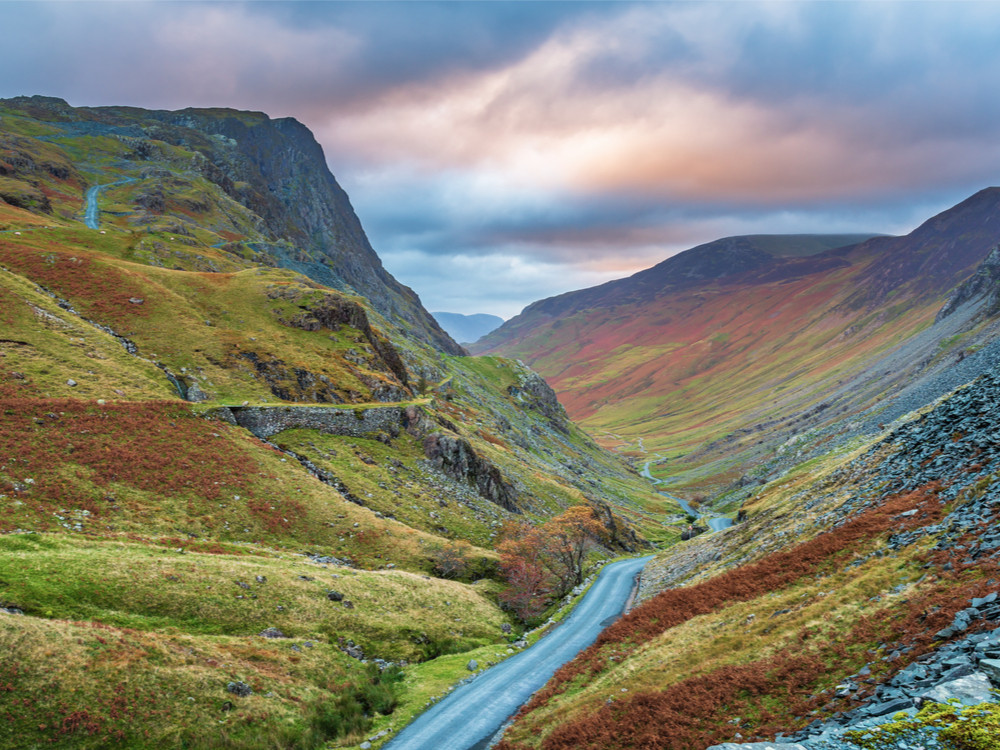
709, 362
845, 573
157, 560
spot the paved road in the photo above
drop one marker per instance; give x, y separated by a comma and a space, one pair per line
715, 523
91, 214
469, 717
645, 473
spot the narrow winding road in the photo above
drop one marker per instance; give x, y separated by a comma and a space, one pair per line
91, 213
470, 716
715, 523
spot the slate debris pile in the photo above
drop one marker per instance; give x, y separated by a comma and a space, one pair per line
956, 444
967, 671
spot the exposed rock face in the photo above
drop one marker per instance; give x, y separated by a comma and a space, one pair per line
620, 535
985, 282
456, 457
332, 311
275, 168
299, 199
290, 383
536, 394
452, 454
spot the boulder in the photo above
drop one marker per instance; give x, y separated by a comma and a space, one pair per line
888, 707
271, 633
991, 668
969, 691
239, 688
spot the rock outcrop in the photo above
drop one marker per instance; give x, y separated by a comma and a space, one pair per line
458, 459
985, 282
331, 311
533, 392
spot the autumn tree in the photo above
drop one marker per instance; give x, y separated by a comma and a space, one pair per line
451, 560
570, 536
522, 565
539, 562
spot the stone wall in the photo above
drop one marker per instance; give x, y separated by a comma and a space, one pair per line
265, 421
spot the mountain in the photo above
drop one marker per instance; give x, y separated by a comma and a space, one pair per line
247, 484
715, 358
260, 186
467, 328
857, 582
251, 495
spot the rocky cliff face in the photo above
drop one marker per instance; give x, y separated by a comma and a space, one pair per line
299, 199
277, 170
982, 284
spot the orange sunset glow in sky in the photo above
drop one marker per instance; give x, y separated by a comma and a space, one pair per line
502, 152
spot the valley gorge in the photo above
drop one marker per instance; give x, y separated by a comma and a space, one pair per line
252, 494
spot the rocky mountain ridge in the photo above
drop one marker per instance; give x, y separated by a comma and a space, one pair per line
273, 168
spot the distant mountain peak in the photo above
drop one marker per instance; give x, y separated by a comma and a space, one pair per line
467, 328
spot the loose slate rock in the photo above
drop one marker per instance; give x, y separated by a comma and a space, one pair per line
239, 688
991, 668
969, 691
272, 633
889, 707
334, 596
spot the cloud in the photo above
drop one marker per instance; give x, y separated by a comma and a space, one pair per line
499, 284
571, 139
678, 127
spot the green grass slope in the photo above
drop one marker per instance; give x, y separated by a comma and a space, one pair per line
147, 542
855, 563
707, 363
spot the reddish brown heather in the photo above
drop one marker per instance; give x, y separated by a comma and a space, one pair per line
99, 291
689, 713
772, 694
68, 448
776, 571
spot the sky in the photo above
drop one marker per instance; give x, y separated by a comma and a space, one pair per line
502, 152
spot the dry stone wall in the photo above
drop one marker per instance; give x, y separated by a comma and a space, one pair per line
266, 421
